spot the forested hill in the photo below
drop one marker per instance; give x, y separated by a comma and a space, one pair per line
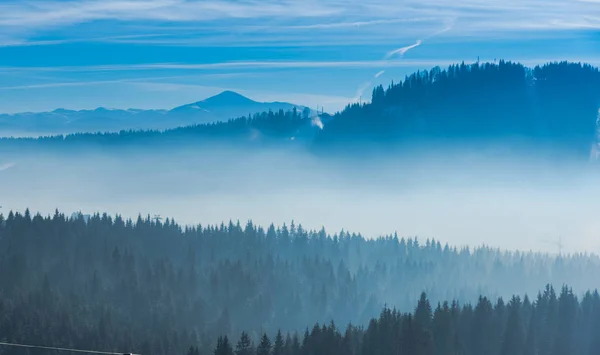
551, 105
157, 288
555, 104
549, 324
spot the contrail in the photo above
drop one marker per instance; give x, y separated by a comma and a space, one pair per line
362, 89
401, 51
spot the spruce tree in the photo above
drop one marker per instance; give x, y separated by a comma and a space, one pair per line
264, 347
512, 342
244, 345
278, 345
223, 347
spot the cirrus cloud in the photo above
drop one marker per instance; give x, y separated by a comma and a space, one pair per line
22, 21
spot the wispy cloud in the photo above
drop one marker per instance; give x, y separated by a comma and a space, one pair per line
44, 13
23, 43
250, 66
47, 85
355, 24
23, 21
61, 84
238, 65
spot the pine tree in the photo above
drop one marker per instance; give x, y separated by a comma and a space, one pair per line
223, 347
482, 331
193, 350
442, 329
594, 346
244, 345
423, 312
278, 345
264, 347
567, 311
530, 343
512, 342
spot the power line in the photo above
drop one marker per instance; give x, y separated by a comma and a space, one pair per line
61, 349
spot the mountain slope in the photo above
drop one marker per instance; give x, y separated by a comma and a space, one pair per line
221, 107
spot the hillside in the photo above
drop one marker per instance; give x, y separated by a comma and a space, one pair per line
554, 323
555, 104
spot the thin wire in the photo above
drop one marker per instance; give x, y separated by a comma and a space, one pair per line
60, 349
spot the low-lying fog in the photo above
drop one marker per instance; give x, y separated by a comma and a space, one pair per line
513, 203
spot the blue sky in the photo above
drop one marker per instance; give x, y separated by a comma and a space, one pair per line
164, 53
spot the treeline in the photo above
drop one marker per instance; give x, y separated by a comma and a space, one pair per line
256, 129
551, 324
156, 287
554, 105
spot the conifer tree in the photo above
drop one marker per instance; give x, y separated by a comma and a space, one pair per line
264, 347
223, 347
244, 345
278, 345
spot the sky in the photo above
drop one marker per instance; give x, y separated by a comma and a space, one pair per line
82, 54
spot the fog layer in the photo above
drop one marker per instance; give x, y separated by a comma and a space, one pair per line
511, 202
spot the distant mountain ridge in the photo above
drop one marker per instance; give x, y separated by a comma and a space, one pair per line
548, 110
230, 104
221, 107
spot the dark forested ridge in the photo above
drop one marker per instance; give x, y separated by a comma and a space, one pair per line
551, 105
548, 324
556, 103
266, 127
157, 288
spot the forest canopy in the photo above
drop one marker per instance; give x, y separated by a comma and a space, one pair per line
110, 283
549, 324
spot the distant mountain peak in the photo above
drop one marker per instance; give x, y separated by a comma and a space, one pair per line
227, 97
62, 111
219, 108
